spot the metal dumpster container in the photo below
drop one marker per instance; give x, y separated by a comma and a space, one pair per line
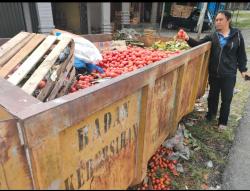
101, 137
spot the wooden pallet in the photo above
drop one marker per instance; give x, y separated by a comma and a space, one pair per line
11, 47
21, 55
28, 58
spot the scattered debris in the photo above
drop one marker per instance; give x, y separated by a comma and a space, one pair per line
236, 91
218, 187
179, 168
209, 164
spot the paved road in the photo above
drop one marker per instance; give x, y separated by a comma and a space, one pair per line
237, 173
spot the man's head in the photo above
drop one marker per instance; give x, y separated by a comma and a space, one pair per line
223, 20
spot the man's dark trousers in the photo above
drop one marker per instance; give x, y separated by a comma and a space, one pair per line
225, 86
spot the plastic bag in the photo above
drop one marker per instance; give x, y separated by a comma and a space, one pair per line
84, 49
177, 140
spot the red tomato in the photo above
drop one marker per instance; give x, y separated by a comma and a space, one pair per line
72, 89
41, 84
81, 77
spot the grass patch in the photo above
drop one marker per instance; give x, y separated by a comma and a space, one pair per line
243, 20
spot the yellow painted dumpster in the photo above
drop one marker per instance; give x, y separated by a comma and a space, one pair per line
101, 137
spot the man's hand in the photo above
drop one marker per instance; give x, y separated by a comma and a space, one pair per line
182, 35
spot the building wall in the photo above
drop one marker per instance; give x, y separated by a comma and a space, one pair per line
67, 16
95, 16
12, 19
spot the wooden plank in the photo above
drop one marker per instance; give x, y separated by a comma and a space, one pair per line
67, 83
3, 40
31, 62
32, 83
12, 42
51, 82
67, 61
21, 55
18, 45
61, 80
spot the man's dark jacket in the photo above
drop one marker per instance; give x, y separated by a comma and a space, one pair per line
225, 61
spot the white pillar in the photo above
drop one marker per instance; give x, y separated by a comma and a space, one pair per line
125, 20
105, 18
154, 12
45, 17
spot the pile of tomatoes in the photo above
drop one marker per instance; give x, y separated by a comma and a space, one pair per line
83, 81
116, 63
159, 168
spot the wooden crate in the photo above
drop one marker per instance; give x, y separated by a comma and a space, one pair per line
148, 40
181, 11
101, 137
29, 58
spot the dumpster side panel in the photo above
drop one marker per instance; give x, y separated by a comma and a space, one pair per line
161, 111
14, 171
178, 95
197, 66
157, 118
97, 153
191, 76
78, 141
171, 96
204, 75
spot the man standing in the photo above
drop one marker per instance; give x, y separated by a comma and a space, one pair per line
227, 55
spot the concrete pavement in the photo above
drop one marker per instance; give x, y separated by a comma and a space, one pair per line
237, 173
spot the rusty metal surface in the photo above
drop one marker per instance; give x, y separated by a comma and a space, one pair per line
162, 107
97, 97
102, 148
13, 99
120, 86
14, 171
164, 86
204, 75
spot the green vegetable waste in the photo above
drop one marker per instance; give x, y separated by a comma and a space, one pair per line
172, 46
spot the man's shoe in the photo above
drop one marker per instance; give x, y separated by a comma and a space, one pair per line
222, 128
